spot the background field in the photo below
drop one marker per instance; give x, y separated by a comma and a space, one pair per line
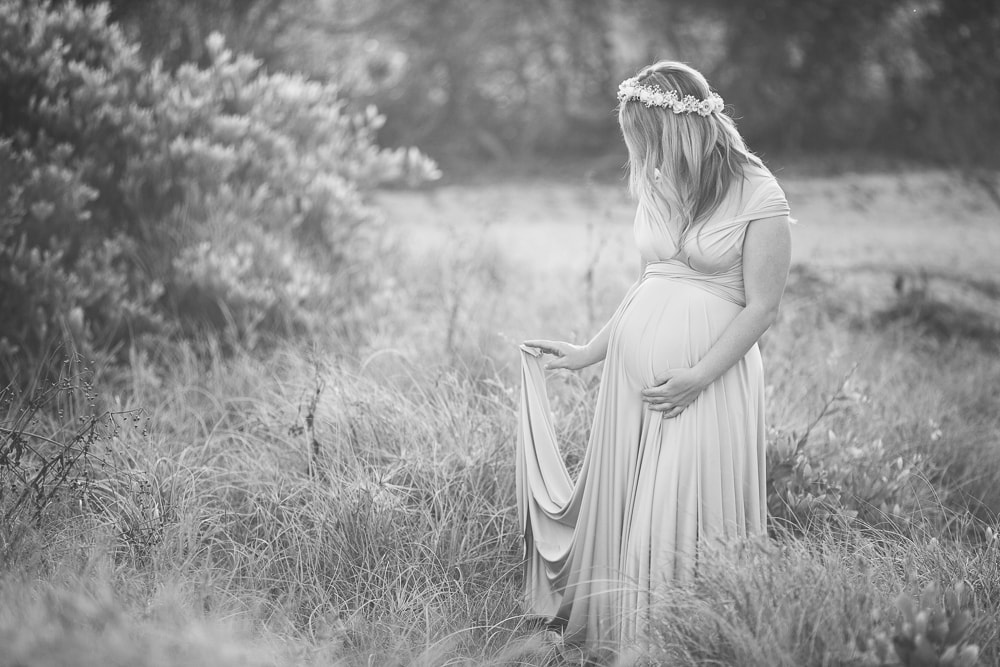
561, 246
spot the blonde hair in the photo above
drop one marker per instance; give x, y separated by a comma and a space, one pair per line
697, 158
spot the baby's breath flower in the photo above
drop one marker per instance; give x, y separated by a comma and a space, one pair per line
654, 96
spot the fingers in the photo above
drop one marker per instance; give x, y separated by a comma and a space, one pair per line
667, 410
667, 407
657, 389
546, 346
664, 377
655, 395
672, 412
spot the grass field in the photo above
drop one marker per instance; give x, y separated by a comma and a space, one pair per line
322, 503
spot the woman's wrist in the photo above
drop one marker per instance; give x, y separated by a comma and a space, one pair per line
702, 375
592, 354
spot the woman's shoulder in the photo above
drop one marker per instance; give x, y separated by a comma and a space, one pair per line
762, 194
756, 174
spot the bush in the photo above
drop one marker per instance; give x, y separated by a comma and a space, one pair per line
138, 200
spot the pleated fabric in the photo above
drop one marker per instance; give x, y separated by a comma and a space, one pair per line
652, 493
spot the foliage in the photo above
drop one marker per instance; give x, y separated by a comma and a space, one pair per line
844, 484
811, 90
922, 308
533, 77
927, 633
953, 102
177, 32
511, 77
519, 78
140, 200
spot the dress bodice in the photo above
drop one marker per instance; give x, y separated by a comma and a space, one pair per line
710, 252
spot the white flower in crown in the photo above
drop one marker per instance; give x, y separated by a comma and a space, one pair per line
654, 96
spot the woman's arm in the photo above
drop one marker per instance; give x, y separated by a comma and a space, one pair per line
574, 357
766, 259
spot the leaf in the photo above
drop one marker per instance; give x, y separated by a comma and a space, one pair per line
968, 657
950, 601
928, 596
959, 626
924, 654
937, 627
905, 605
964, 593
904, 648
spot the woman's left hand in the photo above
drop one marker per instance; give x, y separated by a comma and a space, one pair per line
675, 390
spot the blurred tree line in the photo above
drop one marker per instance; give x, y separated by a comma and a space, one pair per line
915, 78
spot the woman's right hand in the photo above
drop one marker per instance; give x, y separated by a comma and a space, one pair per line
567, 355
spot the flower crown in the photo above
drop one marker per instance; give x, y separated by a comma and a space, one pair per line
654, 96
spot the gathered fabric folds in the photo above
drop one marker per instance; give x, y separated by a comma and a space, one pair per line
652, 494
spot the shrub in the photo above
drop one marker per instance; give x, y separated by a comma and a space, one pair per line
125, 189
851, 484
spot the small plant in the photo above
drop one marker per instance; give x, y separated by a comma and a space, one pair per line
927, 632
799, 488
846, 481
58, 452
37, 468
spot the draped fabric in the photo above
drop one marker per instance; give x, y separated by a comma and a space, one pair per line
651, 492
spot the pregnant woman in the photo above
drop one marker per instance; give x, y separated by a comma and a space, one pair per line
675, 461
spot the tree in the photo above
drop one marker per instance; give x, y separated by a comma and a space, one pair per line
482, 78
176, 32
957, 98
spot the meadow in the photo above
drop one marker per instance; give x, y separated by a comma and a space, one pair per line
348, 499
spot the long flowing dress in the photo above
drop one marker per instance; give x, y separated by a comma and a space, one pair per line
652, 493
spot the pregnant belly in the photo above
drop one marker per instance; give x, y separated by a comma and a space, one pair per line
666, 324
